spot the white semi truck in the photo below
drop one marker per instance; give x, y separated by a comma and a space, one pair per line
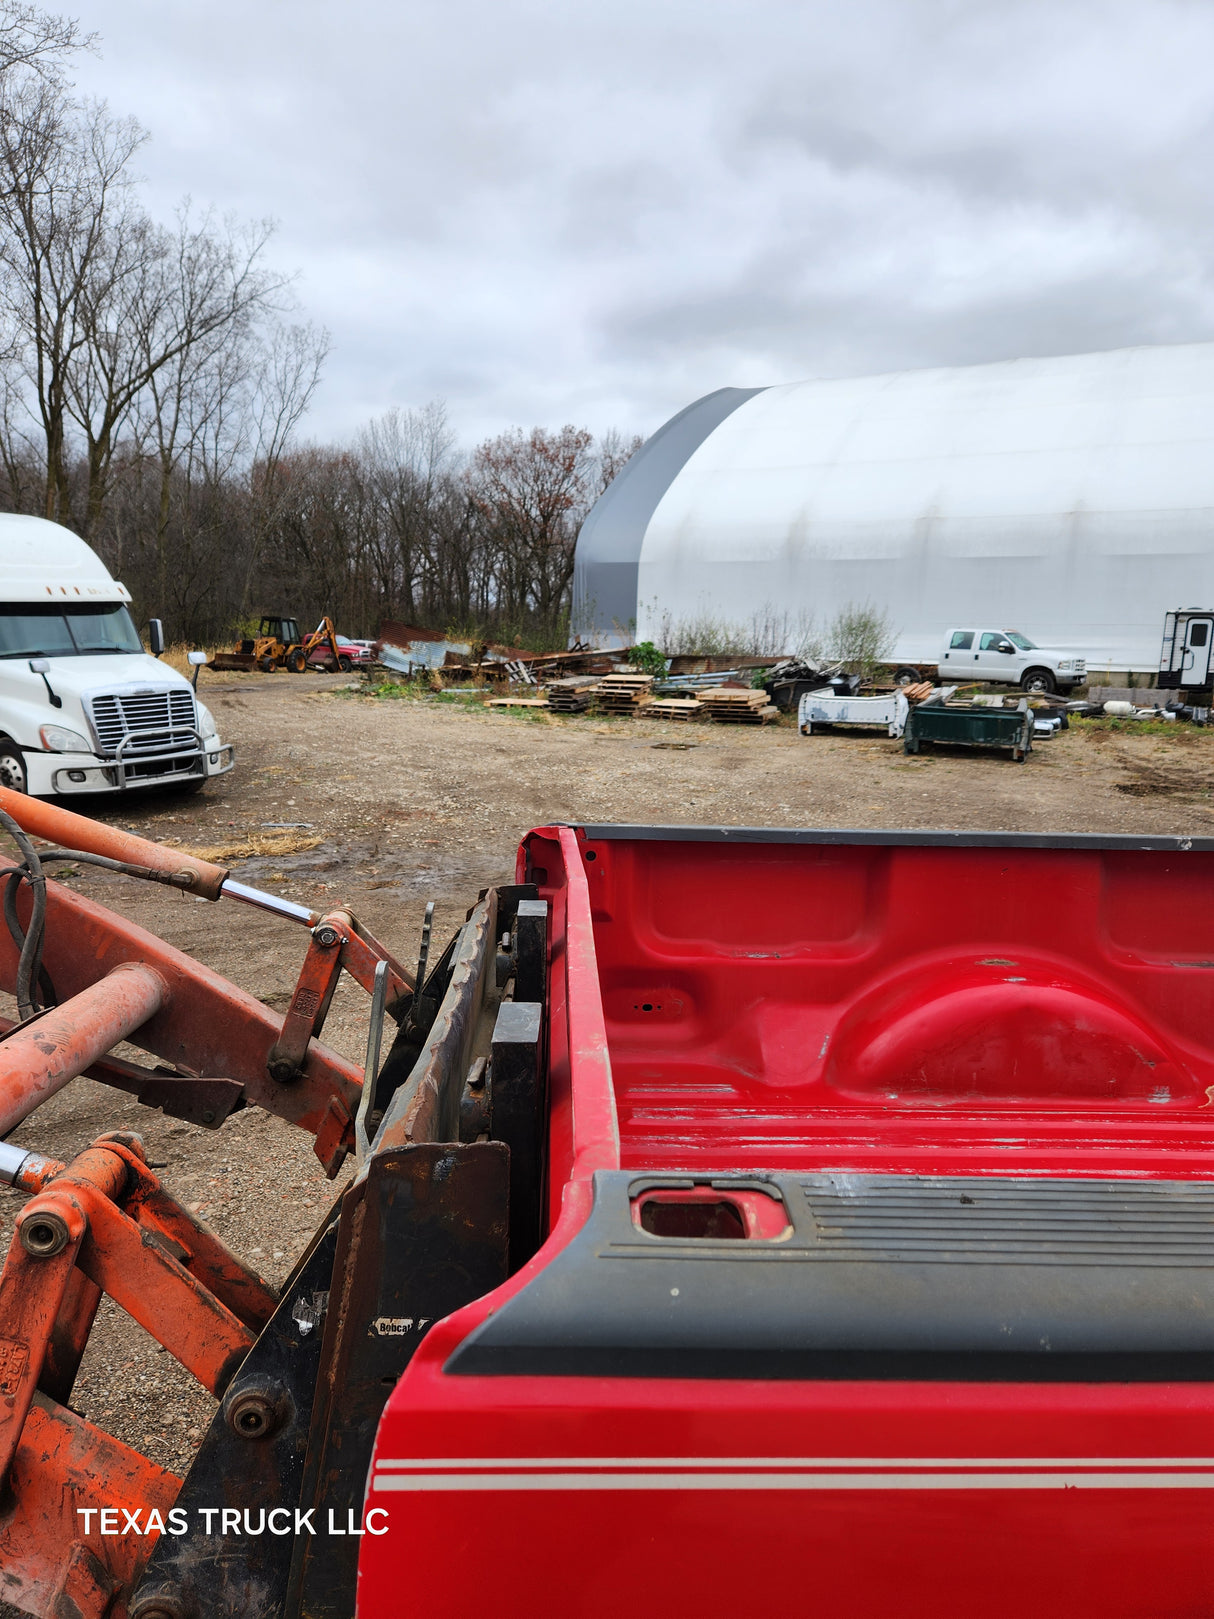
83, 707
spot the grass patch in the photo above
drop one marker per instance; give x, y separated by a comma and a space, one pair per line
1114, 725
175, 655
531, 716
421, 689
389, 690
254, 844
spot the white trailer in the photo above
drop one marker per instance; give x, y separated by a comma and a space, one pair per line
1188, 646
83, 707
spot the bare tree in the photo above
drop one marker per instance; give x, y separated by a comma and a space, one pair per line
286, 377
159, 311
532, 489
64, 199
184, 384
38, 42
408, 458
612, 453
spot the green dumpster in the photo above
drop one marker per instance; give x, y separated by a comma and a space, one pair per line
966, 725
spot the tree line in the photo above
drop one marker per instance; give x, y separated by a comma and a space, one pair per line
153, 382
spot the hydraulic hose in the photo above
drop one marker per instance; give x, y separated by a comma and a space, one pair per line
29, 962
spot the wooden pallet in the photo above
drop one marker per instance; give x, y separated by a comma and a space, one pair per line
746, 716
517, 702
746, 696
570, 696
736, 705
622, 693
761, 713
674, 708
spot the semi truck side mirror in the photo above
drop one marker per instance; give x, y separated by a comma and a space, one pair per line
41, 666
156, 636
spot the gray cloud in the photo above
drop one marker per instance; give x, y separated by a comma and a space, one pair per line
546, 212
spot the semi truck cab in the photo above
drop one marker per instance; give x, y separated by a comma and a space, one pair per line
83, 707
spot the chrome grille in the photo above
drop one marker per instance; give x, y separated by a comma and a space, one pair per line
154, 720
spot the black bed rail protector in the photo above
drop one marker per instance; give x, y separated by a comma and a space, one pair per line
883, 838
874, 1276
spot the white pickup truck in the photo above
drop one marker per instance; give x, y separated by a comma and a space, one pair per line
83, 708
1000, 657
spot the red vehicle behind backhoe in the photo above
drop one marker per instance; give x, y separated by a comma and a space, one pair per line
745, 1221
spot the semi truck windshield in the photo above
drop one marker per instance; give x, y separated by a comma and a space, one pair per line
31, 630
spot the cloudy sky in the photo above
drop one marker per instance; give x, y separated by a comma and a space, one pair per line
596, 210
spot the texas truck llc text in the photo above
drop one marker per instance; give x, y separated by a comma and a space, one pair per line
230, 1521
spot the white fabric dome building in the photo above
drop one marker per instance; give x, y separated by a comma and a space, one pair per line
1070, 498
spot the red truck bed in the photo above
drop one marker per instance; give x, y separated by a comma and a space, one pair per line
877, 1277
743, 1221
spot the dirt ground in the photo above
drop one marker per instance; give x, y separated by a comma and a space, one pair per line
413, 800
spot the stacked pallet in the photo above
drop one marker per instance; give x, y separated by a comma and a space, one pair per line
674, 708
622, 693
570, 696
517, 702
735, 705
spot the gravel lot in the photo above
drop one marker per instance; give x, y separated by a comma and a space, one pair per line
413, 800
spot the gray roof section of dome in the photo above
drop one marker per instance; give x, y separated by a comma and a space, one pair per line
609, 545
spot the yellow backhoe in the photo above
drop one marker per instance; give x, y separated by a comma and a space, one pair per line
279, 645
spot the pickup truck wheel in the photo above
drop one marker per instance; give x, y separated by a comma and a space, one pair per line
1038, 680
12, 767
906, 676
344, 664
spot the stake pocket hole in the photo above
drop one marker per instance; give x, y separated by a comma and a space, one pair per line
704, 1215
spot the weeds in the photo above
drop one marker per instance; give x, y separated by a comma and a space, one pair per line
175, 656
860, 636
1110, 724
767, 633
254, 844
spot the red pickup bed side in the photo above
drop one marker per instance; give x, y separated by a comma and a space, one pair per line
878, 1269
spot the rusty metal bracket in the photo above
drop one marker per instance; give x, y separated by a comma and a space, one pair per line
180, 1095
56, 1561
422, 1233
252, 1459
101, 1223
208, 1022
309, 1006
338, 944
